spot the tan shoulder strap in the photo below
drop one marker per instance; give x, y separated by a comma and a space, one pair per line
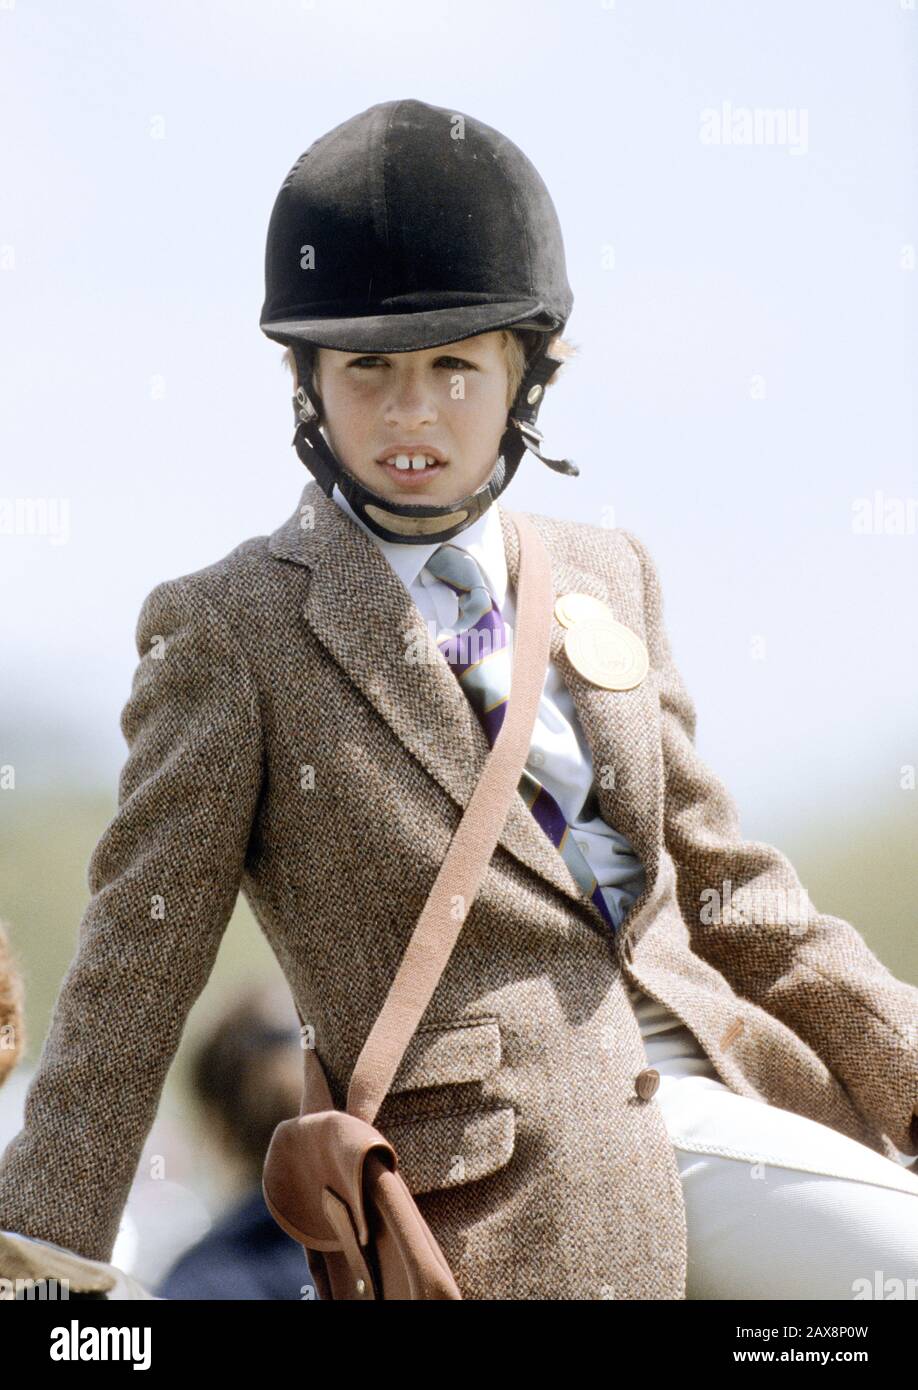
473, 843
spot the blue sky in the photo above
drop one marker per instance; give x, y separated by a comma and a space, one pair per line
745, 316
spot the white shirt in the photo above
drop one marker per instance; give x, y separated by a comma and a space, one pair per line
559, 755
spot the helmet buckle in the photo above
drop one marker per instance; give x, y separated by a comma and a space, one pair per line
527, 429
307, 410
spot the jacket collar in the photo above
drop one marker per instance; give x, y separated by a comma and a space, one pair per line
483, 540
360, 610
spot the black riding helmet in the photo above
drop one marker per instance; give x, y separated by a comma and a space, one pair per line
407, 227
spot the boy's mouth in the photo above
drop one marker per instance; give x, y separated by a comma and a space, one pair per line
412, 467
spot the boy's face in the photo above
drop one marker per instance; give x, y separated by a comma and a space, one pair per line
450, 400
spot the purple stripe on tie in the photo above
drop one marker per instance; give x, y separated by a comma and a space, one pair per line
493, 637
549, 815
552, 820
492, 719
603, 906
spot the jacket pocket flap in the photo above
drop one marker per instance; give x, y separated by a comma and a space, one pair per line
447, 1150
468, 1051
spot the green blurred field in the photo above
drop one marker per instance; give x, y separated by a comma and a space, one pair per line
46, 843
45, 846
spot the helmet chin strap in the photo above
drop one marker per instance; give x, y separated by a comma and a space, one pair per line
422, 524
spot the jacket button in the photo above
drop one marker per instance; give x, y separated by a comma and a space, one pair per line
646, 1083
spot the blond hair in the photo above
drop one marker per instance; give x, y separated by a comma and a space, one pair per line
517, 343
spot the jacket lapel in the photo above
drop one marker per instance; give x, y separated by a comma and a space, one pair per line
621, 727
361, 612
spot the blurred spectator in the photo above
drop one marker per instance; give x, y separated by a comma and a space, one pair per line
247, 1077
40, 1267
12, 1028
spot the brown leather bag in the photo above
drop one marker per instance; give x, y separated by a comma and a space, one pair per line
331, 1179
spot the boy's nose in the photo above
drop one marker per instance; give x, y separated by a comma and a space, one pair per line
410, 404
411, 384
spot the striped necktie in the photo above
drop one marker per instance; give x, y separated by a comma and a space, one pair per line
480, 657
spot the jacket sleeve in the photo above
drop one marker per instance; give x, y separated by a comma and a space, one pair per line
163, 880
812, 971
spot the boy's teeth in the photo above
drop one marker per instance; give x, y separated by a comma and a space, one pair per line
414, 461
